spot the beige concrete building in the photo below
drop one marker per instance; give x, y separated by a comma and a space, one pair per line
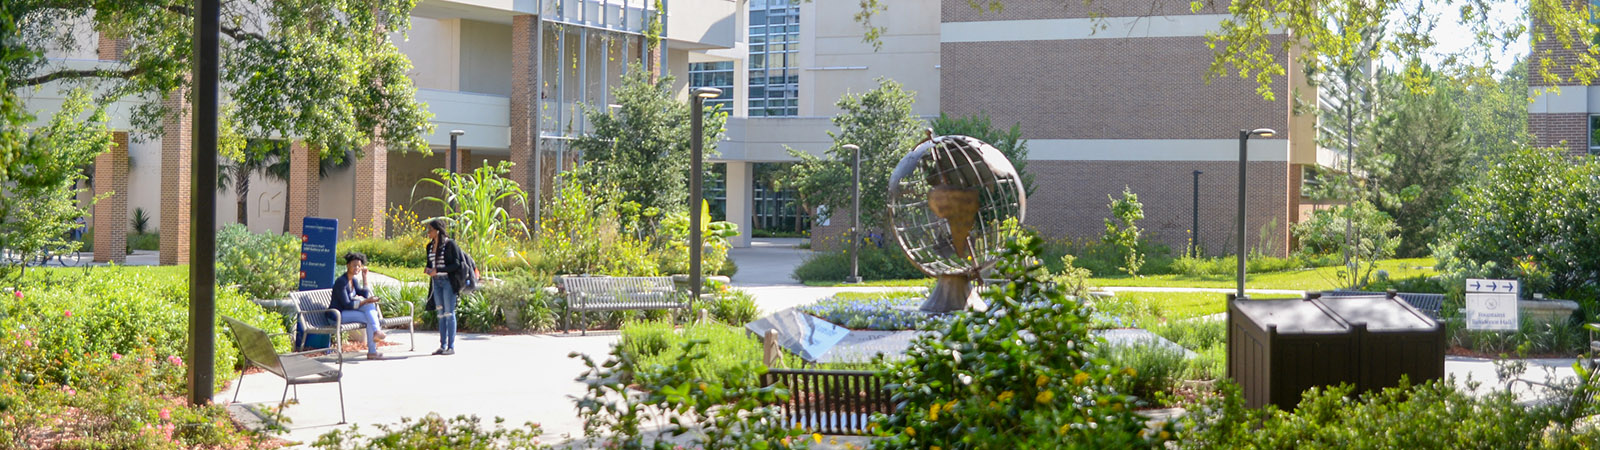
1106, 100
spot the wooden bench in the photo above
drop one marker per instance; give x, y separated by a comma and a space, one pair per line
294, 368
591, 294
312, 312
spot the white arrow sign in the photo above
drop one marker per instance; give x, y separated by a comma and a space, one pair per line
1492, 304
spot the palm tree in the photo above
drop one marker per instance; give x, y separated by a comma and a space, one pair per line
279, 169
260, 155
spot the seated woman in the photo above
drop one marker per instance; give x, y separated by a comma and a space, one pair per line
355, 302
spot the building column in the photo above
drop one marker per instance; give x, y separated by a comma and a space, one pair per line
525, 34
741, 199
372, 190
111, 212
305, 184
175, 181
464, 160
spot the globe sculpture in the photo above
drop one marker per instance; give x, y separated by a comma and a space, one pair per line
948, 199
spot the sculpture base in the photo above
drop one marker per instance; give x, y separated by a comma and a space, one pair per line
951, 293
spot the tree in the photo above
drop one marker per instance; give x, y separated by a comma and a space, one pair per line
1009, 142
40, 203
259, 157
325, 72
1123, 232
645, 143
879, 121
1421, 156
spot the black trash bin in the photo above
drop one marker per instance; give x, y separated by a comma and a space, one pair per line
1279, 348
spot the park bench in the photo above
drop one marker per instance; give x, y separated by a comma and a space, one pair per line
1428, 304
294, 368
596, 294
312, 312
826, 401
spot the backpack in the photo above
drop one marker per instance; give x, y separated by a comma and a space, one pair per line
472, 279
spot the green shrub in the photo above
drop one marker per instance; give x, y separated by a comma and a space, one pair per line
656, 346
433, 431
1219, 266
1435, 415
734, 306
475, 314
886, 262
265, 265
1156, 368
581, 232
1123, 233
476, 206
1022, 374
399, 299
406, 250
1564, 338
82, 315
144, 241
521, 300
1529, 215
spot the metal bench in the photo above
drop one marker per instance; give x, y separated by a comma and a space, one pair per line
1429, 304
311, 310
294, 368
589, 293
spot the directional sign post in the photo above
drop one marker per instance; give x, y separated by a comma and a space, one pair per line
1492, 304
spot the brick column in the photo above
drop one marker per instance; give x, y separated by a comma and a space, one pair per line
305, 184
464, 160
111, 212
372, 190
175, 181
111, 48
525, 34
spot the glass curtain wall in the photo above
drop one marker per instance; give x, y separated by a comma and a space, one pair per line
774, 58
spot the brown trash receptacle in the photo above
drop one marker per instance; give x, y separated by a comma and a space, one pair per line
1279, 348
1395, 339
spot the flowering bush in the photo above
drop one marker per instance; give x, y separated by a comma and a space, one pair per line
1021, 374
433, 431
264, 265
890, 312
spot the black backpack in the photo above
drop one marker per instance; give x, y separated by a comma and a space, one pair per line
471, 280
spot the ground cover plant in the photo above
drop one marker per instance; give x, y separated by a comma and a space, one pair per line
875, 311
1312, 279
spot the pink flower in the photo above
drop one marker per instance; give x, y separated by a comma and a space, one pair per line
166, 414
27, 343
69, 390
116, 356
66, 313
19, 295
175, 360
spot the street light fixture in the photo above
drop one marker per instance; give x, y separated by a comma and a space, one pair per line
855, 213
453, 135
1244, 138
1194, 230
696, 237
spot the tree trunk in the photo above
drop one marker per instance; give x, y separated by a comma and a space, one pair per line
242, 187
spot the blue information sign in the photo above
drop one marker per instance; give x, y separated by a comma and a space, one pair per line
318, 239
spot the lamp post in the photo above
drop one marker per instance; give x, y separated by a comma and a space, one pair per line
1194, 230
1244, 139
453, 135
696, 119
203, 202
855, 213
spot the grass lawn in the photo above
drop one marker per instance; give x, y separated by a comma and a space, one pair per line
1314, 279
402, 273
1139, 306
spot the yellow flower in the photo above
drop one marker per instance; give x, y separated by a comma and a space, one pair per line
1045, 397
1041, 381
1164, 435
1064, 428
833, 441
1080, 378
911, 432
817, 437
933, 412
934, 448
1006, 396
950, 406
1130, 371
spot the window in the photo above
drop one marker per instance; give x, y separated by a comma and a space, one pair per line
1594, 135
774, 34
717, 74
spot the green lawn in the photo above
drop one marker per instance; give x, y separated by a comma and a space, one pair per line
1315, 279
1163, 305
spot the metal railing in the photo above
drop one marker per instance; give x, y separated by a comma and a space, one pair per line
831, 401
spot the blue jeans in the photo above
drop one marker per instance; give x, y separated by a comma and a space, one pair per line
444, 296
368, 314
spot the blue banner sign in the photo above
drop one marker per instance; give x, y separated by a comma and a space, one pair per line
319, 237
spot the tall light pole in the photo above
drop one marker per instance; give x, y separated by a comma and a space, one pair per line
1194, 230
696, 143
1244, 139
203, 202
453, 135
855, 213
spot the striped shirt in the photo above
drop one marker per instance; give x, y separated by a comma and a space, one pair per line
436, 258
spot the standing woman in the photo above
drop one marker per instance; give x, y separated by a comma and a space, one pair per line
444, 261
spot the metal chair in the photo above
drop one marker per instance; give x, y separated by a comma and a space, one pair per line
294, 368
